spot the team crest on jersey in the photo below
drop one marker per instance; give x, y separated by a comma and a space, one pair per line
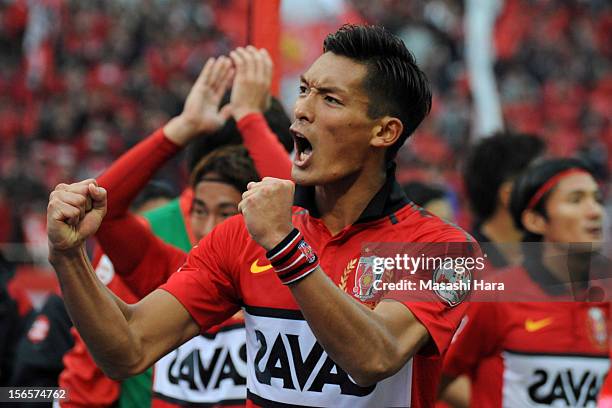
39, 330
598, 330
364, 278
451, 286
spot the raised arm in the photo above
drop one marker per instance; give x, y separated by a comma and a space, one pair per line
143, 263
250, 95
123, 339
201, 115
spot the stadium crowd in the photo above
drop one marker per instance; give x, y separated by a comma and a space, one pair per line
83, 82
103, 74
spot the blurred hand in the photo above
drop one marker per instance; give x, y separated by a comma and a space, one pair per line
74, 213
201, 113
251, 87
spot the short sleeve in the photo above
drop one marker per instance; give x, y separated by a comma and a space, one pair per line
440, 320
431, 278
207, 283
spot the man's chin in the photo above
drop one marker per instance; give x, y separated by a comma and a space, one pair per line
302, 177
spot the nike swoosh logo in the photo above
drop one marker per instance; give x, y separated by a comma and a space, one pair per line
259, 269
535, 325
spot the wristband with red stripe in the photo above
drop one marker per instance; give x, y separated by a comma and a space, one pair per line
293, 259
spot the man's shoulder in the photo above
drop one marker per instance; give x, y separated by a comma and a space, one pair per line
422, 226
232, 231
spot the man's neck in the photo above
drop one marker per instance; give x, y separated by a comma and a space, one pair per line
342, 203
501, 231
500, 228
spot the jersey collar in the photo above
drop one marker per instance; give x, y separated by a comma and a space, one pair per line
387, 200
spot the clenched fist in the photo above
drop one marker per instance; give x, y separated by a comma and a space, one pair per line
266, 207
74, 213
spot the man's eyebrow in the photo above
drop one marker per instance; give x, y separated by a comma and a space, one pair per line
324, 89
228, 204
199, 202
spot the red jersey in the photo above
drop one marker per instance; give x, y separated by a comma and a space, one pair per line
532, 354
286, 364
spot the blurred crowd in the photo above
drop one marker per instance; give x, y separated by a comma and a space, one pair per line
95, 79
80, 82
553, 71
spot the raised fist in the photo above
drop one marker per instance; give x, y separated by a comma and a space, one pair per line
74, 213
266, 207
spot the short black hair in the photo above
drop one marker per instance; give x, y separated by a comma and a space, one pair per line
228, 134
529, 182
492, 162
421, 194
394, 83
155, 189
229, 164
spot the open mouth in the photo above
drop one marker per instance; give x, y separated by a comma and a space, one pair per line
597, 231
303, 149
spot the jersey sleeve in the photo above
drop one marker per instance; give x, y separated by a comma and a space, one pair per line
477, 337
270, 157
207, 284
130, 173
440, 310
86, 384
440, 320
142, 259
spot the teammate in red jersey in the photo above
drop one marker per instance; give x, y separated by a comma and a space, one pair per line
143, 261
309, 342
550, 351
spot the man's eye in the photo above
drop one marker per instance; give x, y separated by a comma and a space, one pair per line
303, 89
200, 211
333, 100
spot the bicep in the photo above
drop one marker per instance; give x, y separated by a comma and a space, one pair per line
161, 323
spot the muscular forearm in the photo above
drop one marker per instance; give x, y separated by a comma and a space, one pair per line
378, 348
99, 316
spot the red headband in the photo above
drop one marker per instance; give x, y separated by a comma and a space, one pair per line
546, 187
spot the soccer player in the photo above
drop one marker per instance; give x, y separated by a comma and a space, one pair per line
142, 261
490, 170
311, 339
536, 346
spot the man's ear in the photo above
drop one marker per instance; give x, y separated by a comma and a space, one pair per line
534, 222
386, 132
504, 192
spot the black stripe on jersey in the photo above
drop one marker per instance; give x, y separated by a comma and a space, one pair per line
182, 403
393, 218
546, 354
230, 327
268, 403
288, 314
